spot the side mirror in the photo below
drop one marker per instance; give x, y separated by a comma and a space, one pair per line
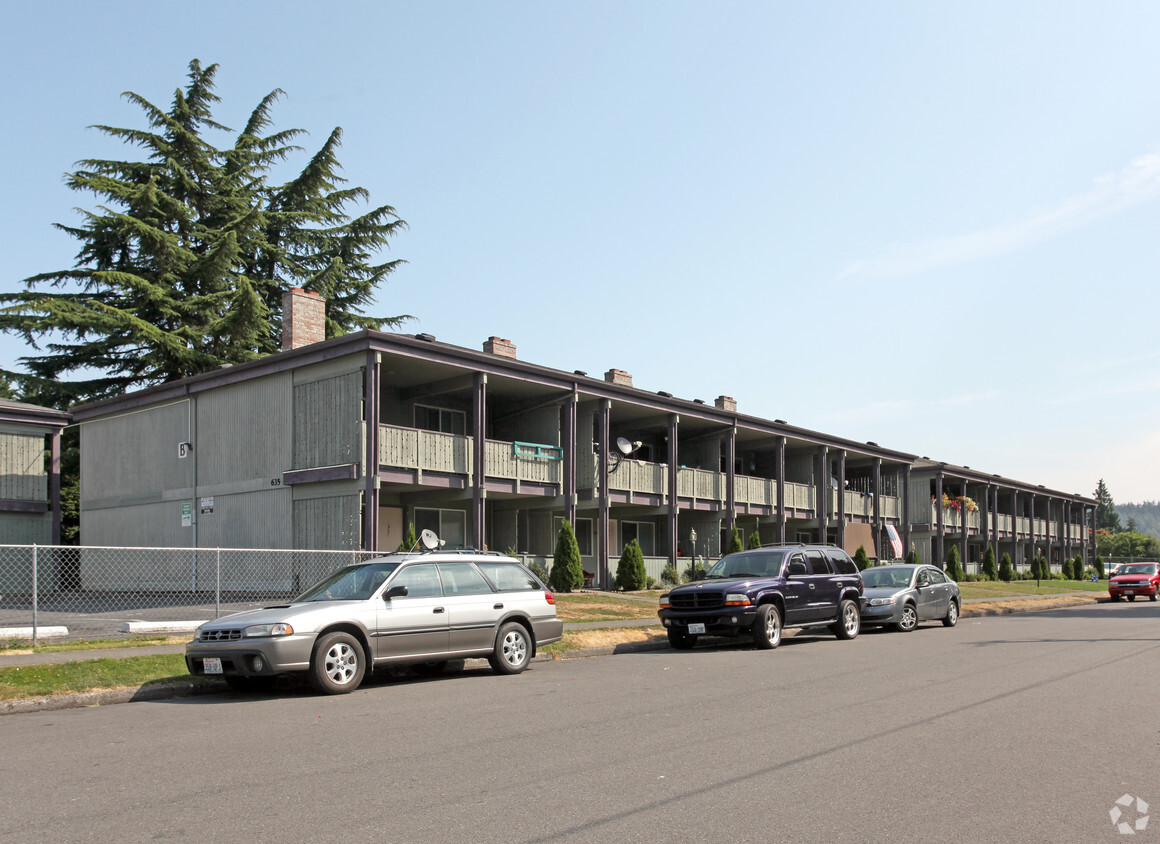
395, 592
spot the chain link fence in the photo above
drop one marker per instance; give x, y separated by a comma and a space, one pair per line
86, 591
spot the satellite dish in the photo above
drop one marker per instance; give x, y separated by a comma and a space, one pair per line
429, 540
626, 446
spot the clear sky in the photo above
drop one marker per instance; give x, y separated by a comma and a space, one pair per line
930, 225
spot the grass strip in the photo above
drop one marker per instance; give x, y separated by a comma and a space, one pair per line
93, 675
24, 646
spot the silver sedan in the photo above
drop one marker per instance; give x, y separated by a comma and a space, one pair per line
902, 596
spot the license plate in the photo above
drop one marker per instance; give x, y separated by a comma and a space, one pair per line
696, 628
211, 665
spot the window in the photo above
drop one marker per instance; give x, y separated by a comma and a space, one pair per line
422, 581
842, 563
448, 525
937, 576
819, 563
462, 579
440, 419
509, 578
797, 566
642, 532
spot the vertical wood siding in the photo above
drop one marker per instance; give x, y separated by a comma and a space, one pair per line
22, 475
135, 455
243, 431
333, 523
328, 422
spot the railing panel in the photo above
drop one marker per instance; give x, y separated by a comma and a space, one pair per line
508, 460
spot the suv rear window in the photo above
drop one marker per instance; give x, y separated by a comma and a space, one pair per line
842, 562
509, 577
818, 562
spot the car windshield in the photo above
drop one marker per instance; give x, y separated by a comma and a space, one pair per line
353, 583
876, 577
1136, 569
748, 564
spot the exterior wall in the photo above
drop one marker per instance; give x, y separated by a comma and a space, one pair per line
22, 475
25, 529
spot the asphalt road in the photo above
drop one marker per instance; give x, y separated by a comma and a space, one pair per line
1011, 728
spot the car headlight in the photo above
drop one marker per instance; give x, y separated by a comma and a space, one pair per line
268, 630
881, 602
736, 599
663, 602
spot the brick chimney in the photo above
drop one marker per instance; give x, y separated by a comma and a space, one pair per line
498, 346
618, 376
303, 318
726, 403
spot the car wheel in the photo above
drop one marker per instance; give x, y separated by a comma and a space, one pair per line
1131, 597
337, 666
909, 619
249, 684
681, 640
1155, 593
952, 617
512, 649
849, 620
1115, 599
767, 627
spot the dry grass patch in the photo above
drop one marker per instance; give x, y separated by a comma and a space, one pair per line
602, 608
606, 637
1048, 603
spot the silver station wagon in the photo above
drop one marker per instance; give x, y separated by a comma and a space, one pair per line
421, 609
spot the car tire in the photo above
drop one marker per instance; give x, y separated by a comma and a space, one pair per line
1130, 597
337, 665
513, 649
849, 620
1115, 599
909, 619
767, 627
1155, 593
681, 640
952, 616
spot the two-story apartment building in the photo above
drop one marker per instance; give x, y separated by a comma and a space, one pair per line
341, 443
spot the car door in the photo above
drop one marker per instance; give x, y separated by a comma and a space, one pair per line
473, 607
942, 588
824, 588
926, 595
796, 591
415, 624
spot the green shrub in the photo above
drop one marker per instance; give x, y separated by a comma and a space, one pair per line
1005, 573
408, 538
695, 571
913, 558
1100, 567
1065, 570
754, 538
567, 567
734, 542
860, 558
954, 569
650, 583
1077, 567
989, 563
539, 571
630, 573
669, 575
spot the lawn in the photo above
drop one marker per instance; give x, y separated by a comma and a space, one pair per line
585, 606
1017, 588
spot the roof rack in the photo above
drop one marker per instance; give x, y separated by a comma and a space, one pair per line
797, 545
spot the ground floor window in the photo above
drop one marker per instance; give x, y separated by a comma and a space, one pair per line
642, 532
448, 525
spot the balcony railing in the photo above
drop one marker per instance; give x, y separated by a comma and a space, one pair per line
430, 451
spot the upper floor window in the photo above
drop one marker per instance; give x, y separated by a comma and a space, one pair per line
440, 419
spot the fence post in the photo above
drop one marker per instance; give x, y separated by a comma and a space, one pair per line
35, 598
217, 585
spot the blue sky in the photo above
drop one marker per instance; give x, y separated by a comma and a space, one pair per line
933, 226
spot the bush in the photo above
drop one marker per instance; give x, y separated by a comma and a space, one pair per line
1077, 568
408, 538
754, 538
954, 569
539, 571
1100, 567
989, 564
913, 558
669, 576
695, 571
1065, 570
650, 583
734, 542
567, 568
630, 573
1005, 573
860, 558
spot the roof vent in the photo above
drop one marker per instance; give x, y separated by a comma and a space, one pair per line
663, 394
579, 372
426, 338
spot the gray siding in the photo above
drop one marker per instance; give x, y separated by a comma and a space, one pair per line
25, 529
541, 426
243, 432
256, 519
328, 422
333, 523
131, 458
156, 524
22, 475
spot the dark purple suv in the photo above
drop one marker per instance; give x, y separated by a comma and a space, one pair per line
759, 592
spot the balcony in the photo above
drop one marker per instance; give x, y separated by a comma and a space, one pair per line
454, 454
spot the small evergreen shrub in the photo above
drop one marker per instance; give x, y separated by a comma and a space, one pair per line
567, 568
539, 571
1065, 570
754, 539
1077, 568
408, 538
1100, 567
913, 558
860, 558
669, 575
954, 569
735, 542
630, 573
695, 571
989, 564
1005, 573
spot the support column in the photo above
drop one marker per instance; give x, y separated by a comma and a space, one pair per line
731, 479
478, 488
877, 507
965, 518
371, 459
822, 493
54, 484
841, 499
906, 511
674, 509
604, 505
1015, 528
994, 492
568, 423
780, 472
939, 557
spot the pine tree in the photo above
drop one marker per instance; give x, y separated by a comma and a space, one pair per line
567, 568
1005, 568
989, 563
754, 539
954, 569
409, 540
184, 259
1106, 516
630, 571
913, 558
1065, 570
861, 560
